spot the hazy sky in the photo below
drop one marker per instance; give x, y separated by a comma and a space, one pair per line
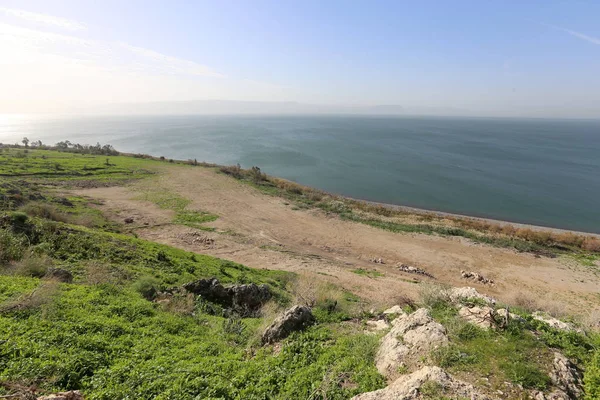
479, 57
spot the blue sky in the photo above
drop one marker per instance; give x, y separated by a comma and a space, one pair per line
470, 57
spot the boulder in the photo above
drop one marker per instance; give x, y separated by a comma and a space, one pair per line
294, 319
566, 376
59, 274
376, 325
486, 317
458, 295
70, 395
394, 310
245, 299
411, 335
410, 387
553, 322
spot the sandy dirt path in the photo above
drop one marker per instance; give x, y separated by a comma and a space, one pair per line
262, 231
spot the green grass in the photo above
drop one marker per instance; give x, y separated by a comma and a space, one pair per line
55, 165
109, 341
171, 201
371, 273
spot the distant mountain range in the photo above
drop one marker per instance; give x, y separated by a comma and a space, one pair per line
259, 107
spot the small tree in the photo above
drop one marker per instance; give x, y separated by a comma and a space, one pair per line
25, 142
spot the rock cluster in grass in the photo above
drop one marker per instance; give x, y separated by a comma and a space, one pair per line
459, 295
477, 277
413, 270
244, 299
411, 336
431, 380
293, 319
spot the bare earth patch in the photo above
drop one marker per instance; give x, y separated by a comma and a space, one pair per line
262, 231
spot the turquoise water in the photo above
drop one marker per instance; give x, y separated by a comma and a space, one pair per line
543, 172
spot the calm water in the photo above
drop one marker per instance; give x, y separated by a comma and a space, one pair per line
543, 172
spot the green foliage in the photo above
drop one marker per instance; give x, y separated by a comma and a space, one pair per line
147, 286
371, 273
591, 378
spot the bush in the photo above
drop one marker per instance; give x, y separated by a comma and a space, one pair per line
233, 170
45, 210
591, 379
147, 286
34, 266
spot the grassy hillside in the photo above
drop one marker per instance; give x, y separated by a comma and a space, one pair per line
108, 334
102, 334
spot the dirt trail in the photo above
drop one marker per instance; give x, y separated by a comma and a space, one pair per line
261, 231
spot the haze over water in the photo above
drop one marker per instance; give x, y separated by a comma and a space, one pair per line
542, 172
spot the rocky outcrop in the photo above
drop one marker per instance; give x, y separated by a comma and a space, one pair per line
394, 310
459, 295
411, 335
553, 322
486, 317
411, 387
377, 325
294, 319
413, 270
60, 275
70, 395
566, 376
244, 299
477, 277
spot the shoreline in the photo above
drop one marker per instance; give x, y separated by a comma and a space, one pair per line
398, 207
424, 211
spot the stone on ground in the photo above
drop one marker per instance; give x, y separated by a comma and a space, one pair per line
294, 319
412, 335
409, 387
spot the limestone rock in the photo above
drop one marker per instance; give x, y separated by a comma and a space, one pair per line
411, 335
377, 325
483, 317
245, 299
294, 319
553, 322
566, 376
458, 295
408, 387
394, 310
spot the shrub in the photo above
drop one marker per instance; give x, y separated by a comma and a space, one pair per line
591, 379
147, 286
34, 266
526, 374
45, 210
233, 170
591, 244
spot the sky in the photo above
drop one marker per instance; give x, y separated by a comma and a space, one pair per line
496, 58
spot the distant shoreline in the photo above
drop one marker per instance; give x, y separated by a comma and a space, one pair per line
424, 211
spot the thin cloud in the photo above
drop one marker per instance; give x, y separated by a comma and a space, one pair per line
51, 20
578, 35
172, 64
111, 55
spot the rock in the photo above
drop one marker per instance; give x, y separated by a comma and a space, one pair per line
244, 299
413, 270
394, 310
555, 395
458, 295
294, 319
377, 325
59, 274
486, 317
476, 276
409, 387
128, 220
553, 322
377, 260
483, 317
566, 376
411, 335
70, 395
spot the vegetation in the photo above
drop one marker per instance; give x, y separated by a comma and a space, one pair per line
583, 247
105, 335
110, 334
